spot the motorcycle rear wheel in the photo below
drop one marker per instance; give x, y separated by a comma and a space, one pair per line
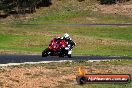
61, 55
69, 55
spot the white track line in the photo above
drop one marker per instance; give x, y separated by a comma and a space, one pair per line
16, 64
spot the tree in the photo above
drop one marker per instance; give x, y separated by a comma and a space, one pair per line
7, 5
22, 6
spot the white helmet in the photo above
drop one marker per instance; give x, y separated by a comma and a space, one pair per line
66, 35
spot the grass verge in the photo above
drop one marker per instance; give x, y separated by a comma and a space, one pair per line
114, 41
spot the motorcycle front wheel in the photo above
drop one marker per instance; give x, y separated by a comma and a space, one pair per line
45, 53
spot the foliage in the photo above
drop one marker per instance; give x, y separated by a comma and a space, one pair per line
112, 1
22, 6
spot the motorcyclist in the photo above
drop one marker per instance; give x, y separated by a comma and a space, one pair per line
69, 41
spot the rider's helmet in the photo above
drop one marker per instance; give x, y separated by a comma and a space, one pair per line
66, 36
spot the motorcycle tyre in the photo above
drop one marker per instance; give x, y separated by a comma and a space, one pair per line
69, 55
45, 52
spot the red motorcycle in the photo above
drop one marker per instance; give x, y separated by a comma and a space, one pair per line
56, 48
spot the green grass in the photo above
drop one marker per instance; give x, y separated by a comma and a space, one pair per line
20, 43
115, 41
117, 62
74, 12
79, 17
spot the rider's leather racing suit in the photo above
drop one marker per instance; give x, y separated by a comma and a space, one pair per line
70, 43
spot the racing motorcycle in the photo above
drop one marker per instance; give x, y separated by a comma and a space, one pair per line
57, 48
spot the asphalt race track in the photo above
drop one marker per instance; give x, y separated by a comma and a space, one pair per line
4, 59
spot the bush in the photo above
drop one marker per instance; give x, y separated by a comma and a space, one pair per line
81, 0
107, 1
112, 1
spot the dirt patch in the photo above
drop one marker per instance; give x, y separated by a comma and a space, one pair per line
43, 77
84, 20
120, 9
7, 52
34, 77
